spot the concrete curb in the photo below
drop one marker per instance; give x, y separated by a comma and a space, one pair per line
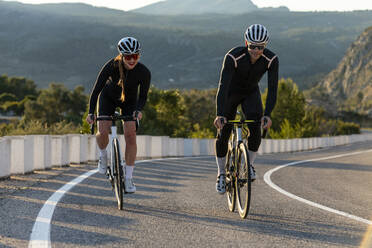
23, 154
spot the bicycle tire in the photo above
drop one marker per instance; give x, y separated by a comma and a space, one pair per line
117, 173
230, 181
243, 181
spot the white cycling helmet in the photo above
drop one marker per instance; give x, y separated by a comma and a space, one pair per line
129, 45
256, 33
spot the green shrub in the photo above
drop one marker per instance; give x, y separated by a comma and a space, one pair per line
347, 128
38, 127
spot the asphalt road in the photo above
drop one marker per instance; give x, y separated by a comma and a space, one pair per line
176, 205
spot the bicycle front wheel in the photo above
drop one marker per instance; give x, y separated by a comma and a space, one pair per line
117, 173
243, 181
230, 181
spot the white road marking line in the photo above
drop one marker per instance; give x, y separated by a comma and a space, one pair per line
335, 211
40, 236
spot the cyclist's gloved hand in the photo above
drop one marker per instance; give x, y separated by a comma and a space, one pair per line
137, 114
91, 118
266, 122
219, 122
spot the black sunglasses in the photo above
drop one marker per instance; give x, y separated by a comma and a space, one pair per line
259, 47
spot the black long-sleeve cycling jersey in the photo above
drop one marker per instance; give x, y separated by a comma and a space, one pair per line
109, 76
239, 75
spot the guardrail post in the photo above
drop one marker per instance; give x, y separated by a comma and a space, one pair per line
164, 146
156, 146
77, 148
92, 148
294, 145
172, 147
143, 146
60, 150
22, 154
180, 147
275, 146
5, 157
306, 144
211, 147
267, 146
195, 147
188, 147
203, 143
42, 152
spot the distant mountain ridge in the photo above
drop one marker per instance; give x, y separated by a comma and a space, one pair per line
349, 86
195, 7
69, 43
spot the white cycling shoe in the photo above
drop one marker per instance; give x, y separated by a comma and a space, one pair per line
102, 164
221, 184
129, 186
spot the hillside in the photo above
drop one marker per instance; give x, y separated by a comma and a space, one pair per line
70, 42
349, 86
177, 7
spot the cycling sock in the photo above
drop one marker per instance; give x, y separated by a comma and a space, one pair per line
252, 156
102, 152
129, 171
221, 165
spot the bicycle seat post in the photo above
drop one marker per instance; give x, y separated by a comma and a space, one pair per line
113, 129
238, 133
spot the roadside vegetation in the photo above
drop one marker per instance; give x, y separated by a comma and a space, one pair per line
173, 112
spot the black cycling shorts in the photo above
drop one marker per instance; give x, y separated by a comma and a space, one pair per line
108, 103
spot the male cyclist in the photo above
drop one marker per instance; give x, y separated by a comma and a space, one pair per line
117, 86
242, 69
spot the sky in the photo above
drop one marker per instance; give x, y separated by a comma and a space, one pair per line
293, 5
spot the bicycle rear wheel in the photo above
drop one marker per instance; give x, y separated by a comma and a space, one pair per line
230, 181
117, 173
243, 181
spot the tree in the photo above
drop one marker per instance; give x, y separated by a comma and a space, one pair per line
76, 105
200, 111
164, 113
290, 104
20, 87
6, 97
56, 104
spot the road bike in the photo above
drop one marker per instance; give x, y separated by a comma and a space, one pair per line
115, 172
238, 176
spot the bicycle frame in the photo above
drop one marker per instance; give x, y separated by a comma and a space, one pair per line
238, 149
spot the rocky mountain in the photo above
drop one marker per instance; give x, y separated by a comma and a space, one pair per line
194, 7
349, 86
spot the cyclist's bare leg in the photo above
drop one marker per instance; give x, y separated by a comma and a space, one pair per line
102, 141
131, 143
102, 136
130, 154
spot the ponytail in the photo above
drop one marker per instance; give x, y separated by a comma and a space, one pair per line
119, 62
